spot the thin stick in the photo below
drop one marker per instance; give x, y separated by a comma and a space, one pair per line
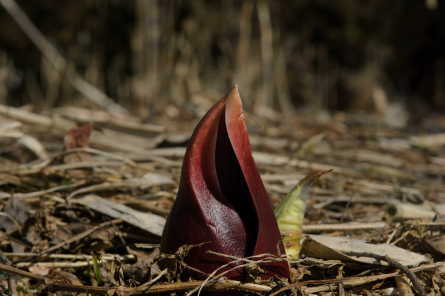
219, 286
21, 115
76, 264
81, 236
212, 277
13, 270
82, 165
58, 264
142, 289
106, 257
326, 285
343, 227
43, 192
416, 283
154, 289
57, 60
102, 153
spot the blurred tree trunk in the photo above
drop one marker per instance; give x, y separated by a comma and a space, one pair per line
145, 45
267, 54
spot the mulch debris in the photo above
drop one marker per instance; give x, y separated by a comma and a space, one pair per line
84, 195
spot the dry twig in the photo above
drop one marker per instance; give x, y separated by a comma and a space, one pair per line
80, 236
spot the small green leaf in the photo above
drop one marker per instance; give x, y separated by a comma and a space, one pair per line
96, 270
290, 214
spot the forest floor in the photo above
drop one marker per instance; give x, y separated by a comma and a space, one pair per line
84, 213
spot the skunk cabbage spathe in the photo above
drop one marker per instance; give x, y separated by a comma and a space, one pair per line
222, 204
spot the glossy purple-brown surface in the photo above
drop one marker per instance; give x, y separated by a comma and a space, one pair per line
222, 203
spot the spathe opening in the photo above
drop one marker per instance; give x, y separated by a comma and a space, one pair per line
234, 186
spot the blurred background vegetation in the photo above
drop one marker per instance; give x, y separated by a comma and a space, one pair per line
342, 55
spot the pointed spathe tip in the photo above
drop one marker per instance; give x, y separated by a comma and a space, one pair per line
233, 100
234, 92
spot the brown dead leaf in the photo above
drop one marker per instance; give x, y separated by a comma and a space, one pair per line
64, 277
339, 248
146, 221
77, 137
437, 244
40, 270
14, 216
